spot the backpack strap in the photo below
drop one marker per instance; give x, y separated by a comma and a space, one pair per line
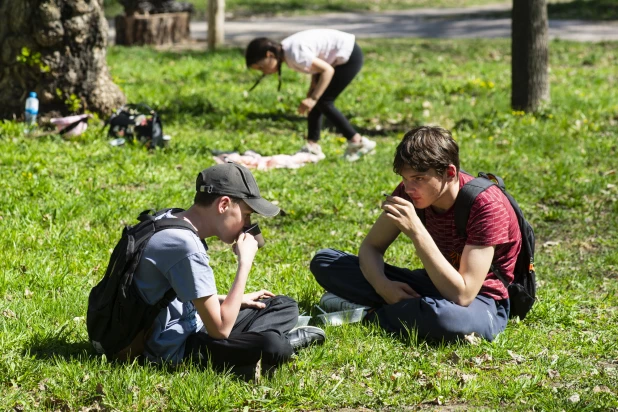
494, 178
463, 205
154, 226
465, 199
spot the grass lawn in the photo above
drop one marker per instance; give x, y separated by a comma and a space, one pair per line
64, 203
557, 9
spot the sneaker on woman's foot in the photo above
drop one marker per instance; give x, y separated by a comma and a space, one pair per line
314, 149
355, 151
333, 303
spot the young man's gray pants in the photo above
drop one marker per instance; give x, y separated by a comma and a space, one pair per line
432, 316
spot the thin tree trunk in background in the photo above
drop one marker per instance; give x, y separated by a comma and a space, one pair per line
56, 48
530, 55
216, 20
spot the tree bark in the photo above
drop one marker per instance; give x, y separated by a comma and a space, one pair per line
530, 55
157, 29
216, 22
56, 48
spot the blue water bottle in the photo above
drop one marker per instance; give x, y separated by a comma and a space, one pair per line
32, 110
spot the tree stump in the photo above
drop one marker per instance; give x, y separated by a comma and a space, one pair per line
157, 29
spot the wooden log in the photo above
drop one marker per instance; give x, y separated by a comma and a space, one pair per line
157, 29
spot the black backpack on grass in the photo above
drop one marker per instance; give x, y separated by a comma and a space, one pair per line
118, 320
522, 291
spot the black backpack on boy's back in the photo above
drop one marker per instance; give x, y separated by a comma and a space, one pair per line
522, 291
118, 320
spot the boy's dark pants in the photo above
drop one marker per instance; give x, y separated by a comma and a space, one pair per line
258, 333
432, 316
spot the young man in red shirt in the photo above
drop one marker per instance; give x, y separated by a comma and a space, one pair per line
456, 293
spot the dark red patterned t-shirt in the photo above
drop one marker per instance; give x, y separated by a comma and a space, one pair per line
492, 221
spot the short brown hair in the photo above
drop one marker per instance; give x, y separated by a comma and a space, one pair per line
426, 147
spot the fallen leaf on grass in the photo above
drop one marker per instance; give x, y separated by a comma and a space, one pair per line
8, 313
601, 389
94, 407
396, 375
28, 294
466, 377
517, 358
455, 358
553, 373
574, 398
437, 401
551, 243
478, 360
473, 338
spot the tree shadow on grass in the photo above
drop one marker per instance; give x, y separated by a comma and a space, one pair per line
584, 10
592, 10
276, 117
382, 131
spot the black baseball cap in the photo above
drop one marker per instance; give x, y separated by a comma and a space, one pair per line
232, 179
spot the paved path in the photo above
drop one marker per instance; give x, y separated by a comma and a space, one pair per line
425, 23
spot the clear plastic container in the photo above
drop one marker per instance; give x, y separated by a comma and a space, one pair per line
341, 317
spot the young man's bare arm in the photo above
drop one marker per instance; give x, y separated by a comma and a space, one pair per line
460, 286
371, 257
219, 318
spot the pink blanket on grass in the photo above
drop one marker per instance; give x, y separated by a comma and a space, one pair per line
254, 160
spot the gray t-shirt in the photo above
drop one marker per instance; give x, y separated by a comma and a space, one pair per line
174, 258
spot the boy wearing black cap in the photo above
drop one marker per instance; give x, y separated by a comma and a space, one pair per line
233, 330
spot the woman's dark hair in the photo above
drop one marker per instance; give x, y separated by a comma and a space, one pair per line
427, 147
256, 51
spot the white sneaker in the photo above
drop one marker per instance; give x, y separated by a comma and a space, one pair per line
314, 149
333, 303
355, 151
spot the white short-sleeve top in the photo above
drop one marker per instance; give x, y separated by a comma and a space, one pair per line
332, 46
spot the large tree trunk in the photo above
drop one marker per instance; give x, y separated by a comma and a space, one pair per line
529, 48
57, 49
